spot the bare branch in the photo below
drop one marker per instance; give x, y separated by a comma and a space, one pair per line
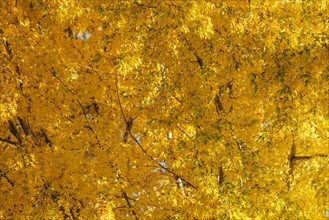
9, 181
221, 175
14, 131
218, 104
125, 196
25, 126
183, 131
291, 158
140, 146
86, 116
48, 141
310, 157
129, 125
9, 141
292, 154
4, 175
83, 110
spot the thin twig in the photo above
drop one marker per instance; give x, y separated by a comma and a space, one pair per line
48, 141
140, 146
83, 110
4, 175
310, 157
183, 132
9, 181
86, 115
125, 196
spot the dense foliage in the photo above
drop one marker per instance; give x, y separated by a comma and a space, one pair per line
145, 109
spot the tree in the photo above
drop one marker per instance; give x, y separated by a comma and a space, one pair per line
169, 109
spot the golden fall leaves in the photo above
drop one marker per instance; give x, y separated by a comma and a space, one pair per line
164, 109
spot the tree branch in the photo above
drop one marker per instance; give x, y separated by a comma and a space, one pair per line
183, 132
125, 196
83, 110
221, 175
14, 131
25, 126
4, 175
48, 141
291, 157
140, 146
310, 157
9, 141
9, 181
218, 104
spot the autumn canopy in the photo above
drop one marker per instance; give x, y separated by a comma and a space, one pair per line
145, 109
